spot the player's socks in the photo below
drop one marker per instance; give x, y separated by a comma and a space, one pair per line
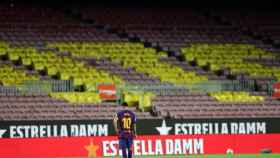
129, 153
124, 153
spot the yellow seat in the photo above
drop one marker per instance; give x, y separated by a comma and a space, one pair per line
236, 97
78, 97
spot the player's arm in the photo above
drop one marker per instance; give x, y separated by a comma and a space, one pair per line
134, 126
134, 129
115, 123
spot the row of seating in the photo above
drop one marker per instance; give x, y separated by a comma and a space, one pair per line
78, 97
63, 67
142, 100
225, 105
236, 97
31, 108
262, 23
232, 56
11, 77
142, 59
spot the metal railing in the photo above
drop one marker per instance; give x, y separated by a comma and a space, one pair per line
47, 86
223, 85
39, 86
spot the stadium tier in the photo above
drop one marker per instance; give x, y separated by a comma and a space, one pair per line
261, 23
232, 57
10, 76
44, 107
174, 63
144, 60
221, 105
236, 97
178, 28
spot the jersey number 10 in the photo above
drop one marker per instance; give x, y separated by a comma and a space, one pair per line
126, 122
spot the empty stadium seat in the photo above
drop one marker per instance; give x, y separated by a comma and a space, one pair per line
136, 56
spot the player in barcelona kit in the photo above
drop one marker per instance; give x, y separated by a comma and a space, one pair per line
125, 126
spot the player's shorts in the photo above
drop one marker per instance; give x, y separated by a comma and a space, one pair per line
125, 143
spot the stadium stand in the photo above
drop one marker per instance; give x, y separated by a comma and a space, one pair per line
219, 56
178, 28
260, 23
26, 49
166, 61
201, 105
10, 76
135, 56
200, 39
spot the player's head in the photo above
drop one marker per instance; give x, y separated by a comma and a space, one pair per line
126, 108
125, 104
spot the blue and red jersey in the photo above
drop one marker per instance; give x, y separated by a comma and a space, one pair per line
126, 122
